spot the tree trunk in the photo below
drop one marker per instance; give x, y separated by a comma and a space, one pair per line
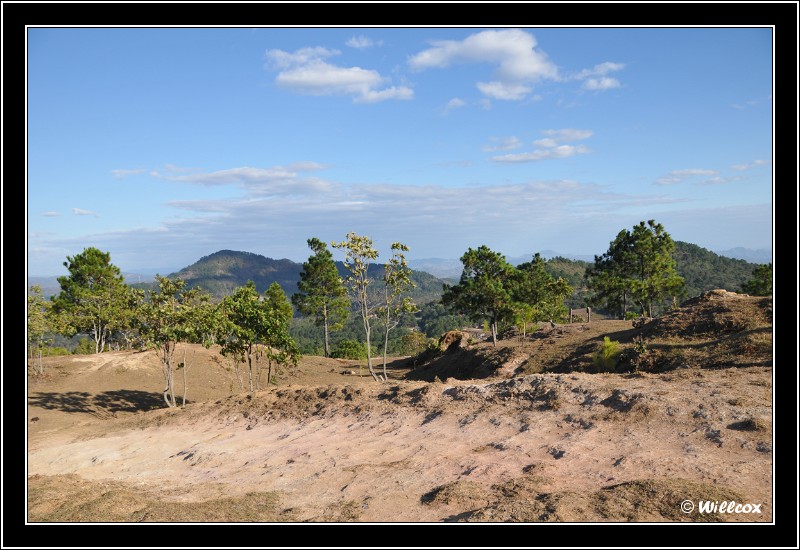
494, 332
325, 324
250, 368
269, 370
386, 343
185, 368
238, 372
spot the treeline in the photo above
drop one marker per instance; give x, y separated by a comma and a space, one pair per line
350, 308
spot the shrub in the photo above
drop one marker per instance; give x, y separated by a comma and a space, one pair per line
84, 347
605, 360
349, 349
413, 343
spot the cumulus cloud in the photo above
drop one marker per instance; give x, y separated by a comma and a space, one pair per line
750, 166
678, 176
551, 147
518, 64
123, 173
595, 78
306, 72
502, 144
362, 42
50, 214
82, 212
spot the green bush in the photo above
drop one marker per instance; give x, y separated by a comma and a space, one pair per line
605, 360
412, 343
349, 349
84, 347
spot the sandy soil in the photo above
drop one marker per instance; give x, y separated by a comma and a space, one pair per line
325, 446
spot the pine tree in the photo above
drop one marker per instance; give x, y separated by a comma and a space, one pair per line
322, 293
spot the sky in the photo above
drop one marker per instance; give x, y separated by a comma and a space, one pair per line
163, 145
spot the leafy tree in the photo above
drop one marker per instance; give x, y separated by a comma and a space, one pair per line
609, 277
484, 290
761, 283
94, 298
322, 293
165, 319
39, 324
358, 253
638, 265
349, 349
246, 321
280, 346
396, 281
534, 287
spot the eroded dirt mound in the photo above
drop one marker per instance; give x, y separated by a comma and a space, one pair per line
713, 313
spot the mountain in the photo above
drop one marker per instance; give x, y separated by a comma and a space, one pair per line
704, 270
439, 267
760, 256
222, 272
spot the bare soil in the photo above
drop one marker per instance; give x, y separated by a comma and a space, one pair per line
525, 432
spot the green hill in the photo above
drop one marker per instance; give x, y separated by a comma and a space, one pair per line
704, 270
700, 268
222, 272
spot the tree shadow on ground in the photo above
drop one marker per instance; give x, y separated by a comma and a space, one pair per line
100, 405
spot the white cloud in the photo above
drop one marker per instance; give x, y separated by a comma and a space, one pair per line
285, 60
551, 147
600, 70
605, 83
82, 212
305, 72
568, 134
754, 164
503, 144
678, 176
362, 42
561, 151
122, 173
454, 103
50, 214
513, 52
503, 90
595, 78
262, 181
718, 180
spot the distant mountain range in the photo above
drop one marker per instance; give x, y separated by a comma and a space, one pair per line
760, 256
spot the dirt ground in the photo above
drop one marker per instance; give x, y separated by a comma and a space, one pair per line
523, 443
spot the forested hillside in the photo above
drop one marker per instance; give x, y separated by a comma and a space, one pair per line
222, 272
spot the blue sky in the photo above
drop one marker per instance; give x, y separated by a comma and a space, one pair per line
162, 145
